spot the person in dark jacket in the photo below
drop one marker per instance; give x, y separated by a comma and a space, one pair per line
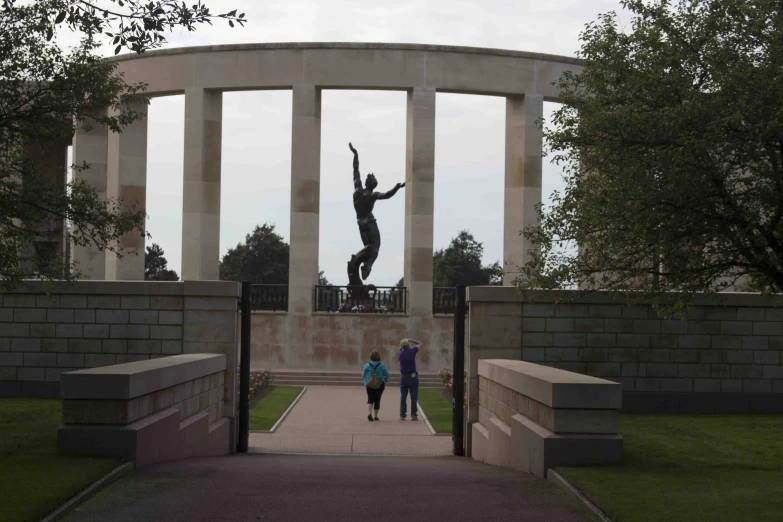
409, 377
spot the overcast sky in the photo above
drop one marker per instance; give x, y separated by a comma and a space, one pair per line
469, 150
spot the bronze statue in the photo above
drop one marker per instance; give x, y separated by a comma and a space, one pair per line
363, 202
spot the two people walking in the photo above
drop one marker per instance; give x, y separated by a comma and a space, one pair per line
376, 376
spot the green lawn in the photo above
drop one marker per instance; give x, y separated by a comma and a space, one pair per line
33, 479
436, 408
691, 468
268, 410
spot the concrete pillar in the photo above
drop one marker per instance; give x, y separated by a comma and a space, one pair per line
305, 198
201, 185
127, 181
523, 178
419, 200
90, 146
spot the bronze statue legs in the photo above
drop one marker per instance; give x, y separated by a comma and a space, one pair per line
371, 238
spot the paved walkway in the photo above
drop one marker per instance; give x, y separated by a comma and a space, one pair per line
276, 488
333, 419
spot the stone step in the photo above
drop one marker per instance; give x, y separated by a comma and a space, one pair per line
358, 378
327, 382
333, 373
341, 378
351, 377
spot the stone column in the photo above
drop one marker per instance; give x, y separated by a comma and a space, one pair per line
523, 178
305, 198
201, 185
91, 147
419, 200
127, 181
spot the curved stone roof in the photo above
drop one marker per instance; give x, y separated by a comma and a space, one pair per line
468, 70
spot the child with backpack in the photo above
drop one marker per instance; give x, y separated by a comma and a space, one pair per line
375, 376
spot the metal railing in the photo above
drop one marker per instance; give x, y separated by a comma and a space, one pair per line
269, 297
361, 299
444, 299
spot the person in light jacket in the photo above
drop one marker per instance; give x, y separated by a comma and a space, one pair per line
374, 395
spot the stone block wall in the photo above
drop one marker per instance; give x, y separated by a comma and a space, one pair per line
46, 330
723, 357
501, 402
345, 341
533, 418
203, 394
148, 411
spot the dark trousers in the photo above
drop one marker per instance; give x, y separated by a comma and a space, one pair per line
409, 383
374, 396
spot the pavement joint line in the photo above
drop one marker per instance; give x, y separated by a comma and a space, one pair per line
270, 452
285, 413
421, 410
89, 491
569, 489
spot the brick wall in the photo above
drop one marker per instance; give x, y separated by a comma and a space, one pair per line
47, 330
724, 357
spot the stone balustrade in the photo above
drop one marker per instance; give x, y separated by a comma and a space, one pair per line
148, 411
533, 417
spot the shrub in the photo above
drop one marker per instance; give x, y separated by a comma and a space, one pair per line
447, 379
259, 379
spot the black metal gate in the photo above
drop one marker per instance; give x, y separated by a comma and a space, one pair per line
458, 389
243, 428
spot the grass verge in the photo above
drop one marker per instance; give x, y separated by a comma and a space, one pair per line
691, 468
268, 410
34, 480
437, 409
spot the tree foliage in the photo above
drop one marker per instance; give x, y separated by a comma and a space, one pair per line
671, 139
322, 280
262, 259
44, 92
156, 265
460, 264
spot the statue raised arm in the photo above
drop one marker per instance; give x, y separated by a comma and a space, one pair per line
357, 177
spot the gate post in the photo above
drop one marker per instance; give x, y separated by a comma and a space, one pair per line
244, 371
458, 389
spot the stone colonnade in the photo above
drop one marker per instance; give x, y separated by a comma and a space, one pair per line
118, 161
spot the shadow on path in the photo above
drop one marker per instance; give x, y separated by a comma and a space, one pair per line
328, 488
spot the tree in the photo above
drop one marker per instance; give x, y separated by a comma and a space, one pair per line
156, 266
322, 281
460, 264
44, 92
672, 143
262, 259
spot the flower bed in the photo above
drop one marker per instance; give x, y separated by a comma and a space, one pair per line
447, 379
259, 379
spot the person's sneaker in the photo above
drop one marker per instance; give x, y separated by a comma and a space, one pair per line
376, 418
369, 417
402, 418
415, 418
